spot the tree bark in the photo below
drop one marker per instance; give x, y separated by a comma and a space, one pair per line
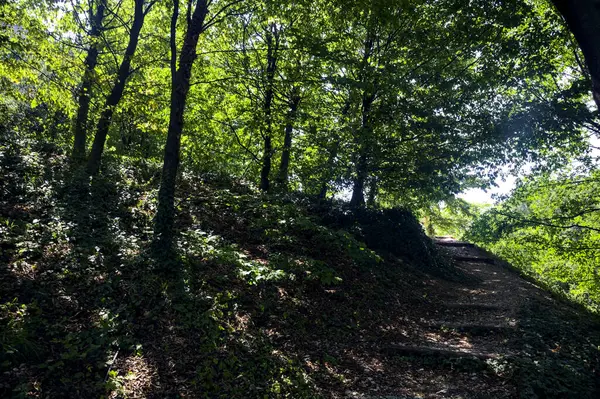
165, 216
272, 48
266, 164
372, 192
117, 91
583, 19
85, 91
363, 135
362, 167
283, 176
332, 156
329, 172
358, 184
330, 165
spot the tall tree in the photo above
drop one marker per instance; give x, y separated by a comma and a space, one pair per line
85, 91
272, 34
196, 25
165, 216
116, 93
284, 166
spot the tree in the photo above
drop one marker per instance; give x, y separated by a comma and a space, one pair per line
549, 226
181, 84
85, 91
116, 93
284, 165
272, 38
196, 25
583, 19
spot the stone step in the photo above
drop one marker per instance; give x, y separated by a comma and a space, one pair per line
474, 329
474, 306
474, 259
454, 244
424, 351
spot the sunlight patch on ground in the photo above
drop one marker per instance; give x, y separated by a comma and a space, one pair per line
133, 379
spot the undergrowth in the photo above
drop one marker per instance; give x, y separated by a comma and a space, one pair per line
87, 312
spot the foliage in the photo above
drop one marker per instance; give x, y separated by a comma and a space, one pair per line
548, 228
452, 217
402, 103
455, 90
80, 293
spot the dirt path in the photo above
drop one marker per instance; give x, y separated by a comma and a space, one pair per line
491, 335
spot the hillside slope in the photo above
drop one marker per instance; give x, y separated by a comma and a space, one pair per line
272, 296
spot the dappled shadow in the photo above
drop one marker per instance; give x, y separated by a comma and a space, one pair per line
263, 301
547, 346
86, 312
63, 271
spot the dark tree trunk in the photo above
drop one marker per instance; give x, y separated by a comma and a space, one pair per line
333, 153
173, 41
58, 119
583, 19
358, 185
372, 193
272, 48
323, 191
85, 91
284, 166
266, 164
363, 136
117, 91
362, 167
165, 216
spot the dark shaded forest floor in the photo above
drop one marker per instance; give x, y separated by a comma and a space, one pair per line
271, 296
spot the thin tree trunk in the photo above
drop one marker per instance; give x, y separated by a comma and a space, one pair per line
282, 178
329, 171
362, 167
266, 164
57, 120
583, 19
173, 41
333, 153
117, 91
358, 184
372, 193
85, 91
165, 216
272, 48
363, 137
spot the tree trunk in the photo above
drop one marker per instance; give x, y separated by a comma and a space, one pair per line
85, 91
272, 48
117, 91
329, 172
165, 216
362, 167
372, 192
362, 137
358, 184
583, 19
332, 156
266, 164
282, 178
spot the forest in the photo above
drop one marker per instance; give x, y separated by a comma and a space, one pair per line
265, 199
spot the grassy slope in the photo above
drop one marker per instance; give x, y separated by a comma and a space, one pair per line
271, 296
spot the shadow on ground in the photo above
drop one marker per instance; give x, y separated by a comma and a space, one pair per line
264, 301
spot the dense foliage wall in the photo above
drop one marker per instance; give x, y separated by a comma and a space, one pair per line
397, 102
550, 229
